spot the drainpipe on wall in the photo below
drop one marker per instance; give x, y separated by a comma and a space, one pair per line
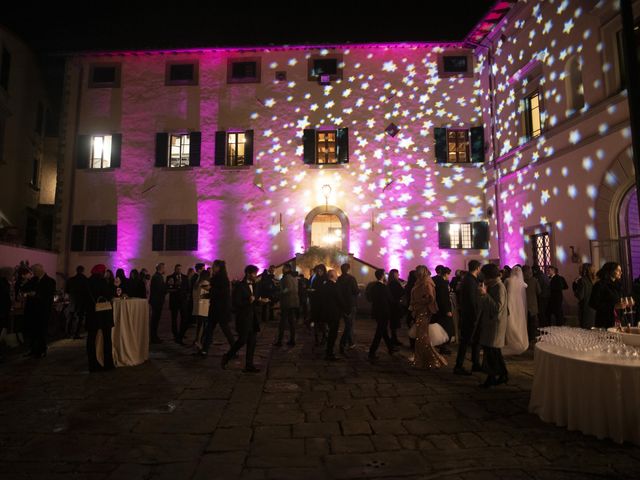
633, 79
72, 183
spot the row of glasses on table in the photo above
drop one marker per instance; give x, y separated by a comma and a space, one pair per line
594, 340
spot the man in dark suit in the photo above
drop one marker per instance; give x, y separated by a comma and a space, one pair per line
557, 285
157, 292
380, 297
444, 315
245, 302
77, 288
469, 318
348, 288
178, 287
333, 307
44, 289
267, 289
397, 292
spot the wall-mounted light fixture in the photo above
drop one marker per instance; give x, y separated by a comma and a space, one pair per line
326, 191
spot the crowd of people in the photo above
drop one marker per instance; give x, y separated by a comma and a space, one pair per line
498, 311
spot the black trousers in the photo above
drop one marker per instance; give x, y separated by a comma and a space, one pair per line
462, 352
382, 333
211, 323
175, 327
493, 364
287, 318
267, 312
91, 349
39, 329
248, 339
333, 324
156, 313
556, 315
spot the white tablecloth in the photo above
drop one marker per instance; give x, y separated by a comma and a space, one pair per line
130, 333
594, 393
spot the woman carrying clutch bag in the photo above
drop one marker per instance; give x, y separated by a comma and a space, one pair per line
423, 306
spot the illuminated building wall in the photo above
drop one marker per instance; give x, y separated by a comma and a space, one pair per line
392, 190
568, 180
571, 179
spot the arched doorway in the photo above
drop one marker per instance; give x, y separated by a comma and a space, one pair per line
327, 227
629, 225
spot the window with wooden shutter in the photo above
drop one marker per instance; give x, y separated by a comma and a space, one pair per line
195, 145
181, 237
162, 149
463, 236
243, 70
309, 145
181, 73
77, 238
104, 75
157, 237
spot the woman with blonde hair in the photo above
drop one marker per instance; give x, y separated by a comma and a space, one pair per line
423, 306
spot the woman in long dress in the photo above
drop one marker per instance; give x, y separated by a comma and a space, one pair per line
423, 306
517, 340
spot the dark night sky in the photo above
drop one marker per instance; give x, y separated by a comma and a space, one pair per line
52, 28
107, 27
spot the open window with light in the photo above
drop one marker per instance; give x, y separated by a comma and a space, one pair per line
98, 152
178, 150
463, 236
533, 114
234, 148
326, 147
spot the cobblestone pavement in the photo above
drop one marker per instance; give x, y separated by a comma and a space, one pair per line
179, 416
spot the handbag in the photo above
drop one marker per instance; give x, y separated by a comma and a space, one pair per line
103, 305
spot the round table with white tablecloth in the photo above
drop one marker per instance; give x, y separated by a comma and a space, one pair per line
130, 333
593, 392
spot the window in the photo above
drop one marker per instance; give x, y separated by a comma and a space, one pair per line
533, 118
235, 148
455, 64
457, 146
575, 90
179, 73
94, 238
104, 76
468, 235
5, 69
321, 66
541, 246
179, 151
100, 151
175, 237
326, 147
243, 70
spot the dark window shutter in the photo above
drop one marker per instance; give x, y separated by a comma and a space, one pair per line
157, 237
110, 238
440, 135
195, 141
162, 149
248, 147
221, 148
444, 239
191, 237
83, 151
480, 232
77, 238
342, 145
476, 135
309, 144
116, 149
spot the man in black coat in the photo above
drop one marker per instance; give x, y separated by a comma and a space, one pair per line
444, 315
44, 289
178, 287
348, 288
333, 307
469, 318
77, 288
557, 285
380, 297
397, 292
245, 302
157, 292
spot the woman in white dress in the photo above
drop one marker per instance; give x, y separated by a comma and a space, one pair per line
517, 340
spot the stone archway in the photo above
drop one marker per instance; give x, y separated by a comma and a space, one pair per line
616, 183
326, 227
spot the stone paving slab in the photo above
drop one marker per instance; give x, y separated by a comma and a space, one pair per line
182, 417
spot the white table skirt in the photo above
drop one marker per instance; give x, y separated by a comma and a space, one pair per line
594, 393
130, 333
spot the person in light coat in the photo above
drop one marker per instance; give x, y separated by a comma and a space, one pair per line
493, 325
